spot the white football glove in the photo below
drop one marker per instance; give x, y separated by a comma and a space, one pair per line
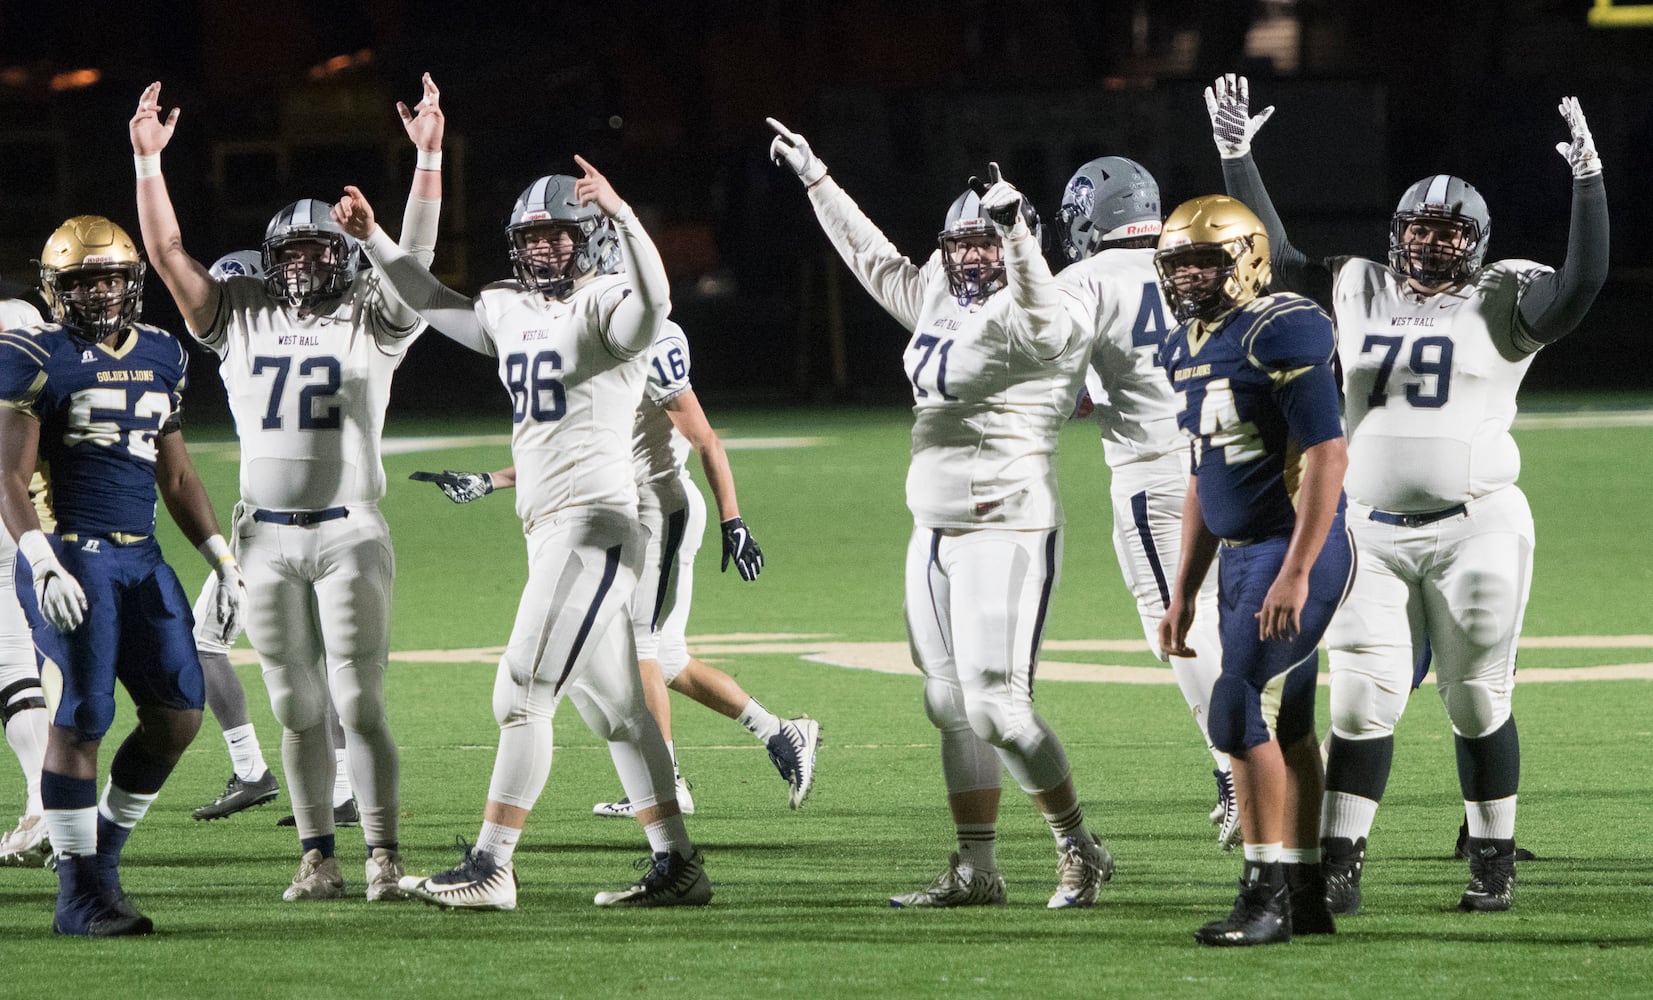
1581, 152
460, 487
1002, 203
791, 150
1228, 101
58, 594
231, 593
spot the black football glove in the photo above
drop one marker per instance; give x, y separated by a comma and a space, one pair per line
739, 545
461, 487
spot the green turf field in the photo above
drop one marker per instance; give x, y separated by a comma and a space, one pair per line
800, 905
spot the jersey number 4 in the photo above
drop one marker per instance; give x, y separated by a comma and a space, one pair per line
324, 378
1430, 361
1221, 427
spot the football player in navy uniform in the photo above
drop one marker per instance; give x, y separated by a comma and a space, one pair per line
93, 400
1267, 491
1434, 346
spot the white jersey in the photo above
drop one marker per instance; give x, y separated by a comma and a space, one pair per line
1430, 383
574, 394
15, 314
1116, 293
658, 452
993, 382
308, 394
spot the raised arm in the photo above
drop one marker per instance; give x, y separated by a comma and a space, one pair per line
191, 286
891, 279
1041, 325
408, 281
637, 320
1228, 102
1554, 304
425, 125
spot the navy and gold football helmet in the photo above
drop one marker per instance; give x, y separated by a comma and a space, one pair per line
1212, 257
308, 258
1438, 234
555, 240
92, 277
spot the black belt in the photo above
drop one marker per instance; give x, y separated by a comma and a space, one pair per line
300, 518
1418, 520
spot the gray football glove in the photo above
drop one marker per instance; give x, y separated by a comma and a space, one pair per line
461, 487
739, 545
1581, 152
1228, 102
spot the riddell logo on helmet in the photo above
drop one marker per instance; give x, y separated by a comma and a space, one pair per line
535, 216
1142, 229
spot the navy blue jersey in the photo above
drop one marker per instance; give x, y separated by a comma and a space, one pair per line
1259, 391
100, 411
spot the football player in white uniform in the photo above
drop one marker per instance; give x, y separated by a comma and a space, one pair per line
1433, 344
1108, 227
251, 783
670, 422
22, 700
572, 345
307, 357
996, 362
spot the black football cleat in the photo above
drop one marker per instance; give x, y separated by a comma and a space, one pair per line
1261, 915
1342, 862
1491, 876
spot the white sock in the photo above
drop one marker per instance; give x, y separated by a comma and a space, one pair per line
1345, 815
1264, 853
498, 841
1493, 820
669, 835
759, 721
341, 779
245, 754
26, 732
1300, 855
124, 808
73, 831
978, 844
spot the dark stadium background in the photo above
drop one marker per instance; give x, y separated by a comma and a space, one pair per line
904, 100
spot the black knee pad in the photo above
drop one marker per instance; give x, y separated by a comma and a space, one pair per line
1360, 767
1490, 767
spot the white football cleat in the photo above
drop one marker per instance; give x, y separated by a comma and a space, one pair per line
792, 751
384, 876
958, 885
317, 878
27, 846
623, 807
477, 883
671, 880
1080, 872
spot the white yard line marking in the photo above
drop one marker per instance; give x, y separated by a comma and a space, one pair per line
894, 657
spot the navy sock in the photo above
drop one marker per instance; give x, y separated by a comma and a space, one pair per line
324, 844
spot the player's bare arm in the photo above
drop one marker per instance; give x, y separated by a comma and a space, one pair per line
185, 277
1199, 548
690, 421
1324, 465
425, 125
19, 449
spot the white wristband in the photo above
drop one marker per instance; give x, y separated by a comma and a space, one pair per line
148, 165
429, 160
216, 552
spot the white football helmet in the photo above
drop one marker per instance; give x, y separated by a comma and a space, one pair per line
238, 264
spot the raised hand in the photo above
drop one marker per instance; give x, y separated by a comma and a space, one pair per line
424, 123
353, 213
594, 187
791, 150
1001, 201
1228, 102
149, 133
742, 549
1581, 152
460, 487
